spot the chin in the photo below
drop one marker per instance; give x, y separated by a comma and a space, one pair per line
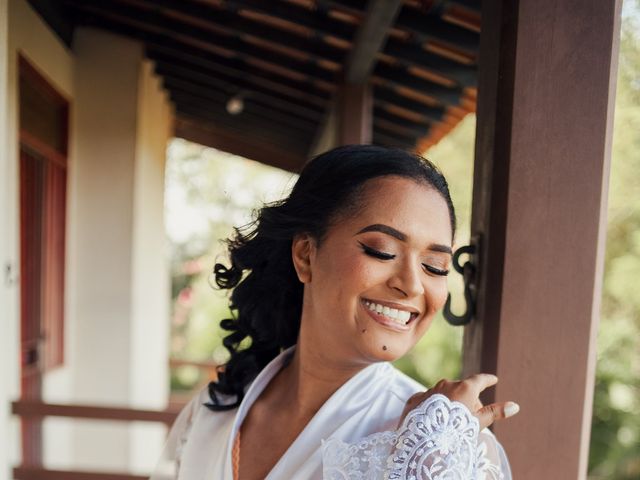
386, 350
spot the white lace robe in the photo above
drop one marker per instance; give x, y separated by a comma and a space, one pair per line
353, 436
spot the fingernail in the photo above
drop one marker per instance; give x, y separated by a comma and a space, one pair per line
510, 409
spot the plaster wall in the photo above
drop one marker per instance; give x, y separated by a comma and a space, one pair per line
8, 297
149, 334
121, 279
100, 233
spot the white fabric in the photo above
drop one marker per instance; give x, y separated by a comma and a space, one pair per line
363, 412
438, 440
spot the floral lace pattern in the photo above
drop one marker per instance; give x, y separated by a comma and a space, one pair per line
438, 440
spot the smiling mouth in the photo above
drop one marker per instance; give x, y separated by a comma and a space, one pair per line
389, 315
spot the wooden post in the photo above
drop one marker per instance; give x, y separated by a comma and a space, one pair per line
545, 112
356, 114
349, 119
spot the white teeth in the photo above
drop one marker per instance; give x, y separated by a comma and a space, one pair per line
400, 317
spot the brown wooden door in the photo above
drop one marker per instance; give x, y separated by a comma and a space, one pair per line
43, 177
32, 181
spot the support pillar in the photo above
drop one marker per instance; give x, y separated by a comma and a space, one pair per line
349, 120
545, 112
356, 114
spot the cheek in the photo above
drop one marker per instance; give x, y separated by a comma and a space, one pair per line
347, 272
437, 292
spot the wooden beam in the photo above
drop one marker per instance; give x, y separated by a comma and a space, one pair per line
424, 28
250, 128
38, 409
416, 128
279, 105
265, 106
409, 55
387, 140
34, 473
279, 155
390, 129
164, 37
394, 77
208, 23
430, 27
204, 66
125, 19
389, 97
540, 190
370, 39
253, 116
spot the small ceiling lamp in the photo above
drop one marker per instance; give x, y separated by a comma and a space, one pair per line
235, 105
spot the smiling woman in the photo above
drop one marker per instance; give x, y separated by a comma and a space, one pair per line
328, 286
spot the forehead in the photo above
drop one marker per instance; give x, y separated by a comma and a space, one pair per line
412, 207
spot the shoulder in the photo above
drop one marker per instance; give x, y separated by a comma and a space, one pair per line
182, 424
400, 385
389, 395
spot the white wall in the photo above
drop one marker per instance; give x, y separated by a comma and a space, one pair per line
100, 235
8, 290
121, 279
151, 288
117, 291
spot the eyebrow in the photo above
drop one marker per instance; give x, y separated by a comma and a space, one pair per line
386, 229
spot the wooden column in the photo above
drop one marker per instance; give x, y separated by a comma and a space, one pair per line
350, 117
355, 107
349, 120
545, 111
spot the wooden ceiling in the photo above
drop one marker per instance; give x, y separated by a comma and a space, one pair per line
286, 59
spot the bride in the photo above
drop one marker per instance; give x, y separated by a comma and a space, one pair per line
328, 286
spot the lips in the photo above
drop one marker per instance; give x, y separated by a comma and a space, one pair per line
390, 314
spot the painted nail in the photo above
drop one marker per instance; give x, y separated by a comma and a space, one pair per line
510, 409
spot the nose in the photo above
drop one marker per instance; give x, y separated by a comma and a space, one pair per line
407, 279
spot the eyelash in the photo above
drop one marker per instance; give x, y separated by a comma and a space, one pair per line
372, 252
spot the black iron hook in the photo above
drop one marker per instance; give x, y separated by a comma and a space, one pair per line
468, 272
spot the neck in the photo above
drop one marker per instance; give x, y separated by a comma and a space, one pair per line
311, 377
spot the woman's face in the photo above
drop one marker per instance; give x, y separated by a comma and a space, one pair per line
374, 284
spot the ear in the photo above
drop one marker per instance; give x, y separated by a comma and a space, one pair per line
302, 252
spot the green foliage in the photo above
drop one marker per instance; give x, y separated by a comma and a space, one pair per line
615, 439
208, 193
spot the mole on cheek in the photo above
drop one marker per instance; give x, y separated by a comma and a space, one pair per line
384, 347
364, 330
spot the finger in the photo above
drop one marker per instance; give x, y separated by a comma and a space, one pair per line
481, 381
496, 411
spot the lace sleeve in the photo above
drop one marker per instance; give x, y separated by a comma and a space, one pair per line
438, 440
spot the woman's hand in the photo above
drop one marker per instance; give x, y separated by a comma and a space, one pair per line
467, 392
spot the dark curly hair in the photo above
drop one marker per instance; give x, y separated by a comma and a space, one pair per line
266, 302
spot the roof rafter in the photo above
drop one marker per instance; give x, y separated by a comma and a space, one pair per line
289, 57
280, 155
370, 39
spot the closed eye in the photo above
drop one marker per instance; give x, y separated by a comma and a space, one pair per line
435, 271
372, 252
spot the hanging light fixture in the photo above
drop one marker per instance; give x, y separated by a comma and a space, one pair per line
235, 105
